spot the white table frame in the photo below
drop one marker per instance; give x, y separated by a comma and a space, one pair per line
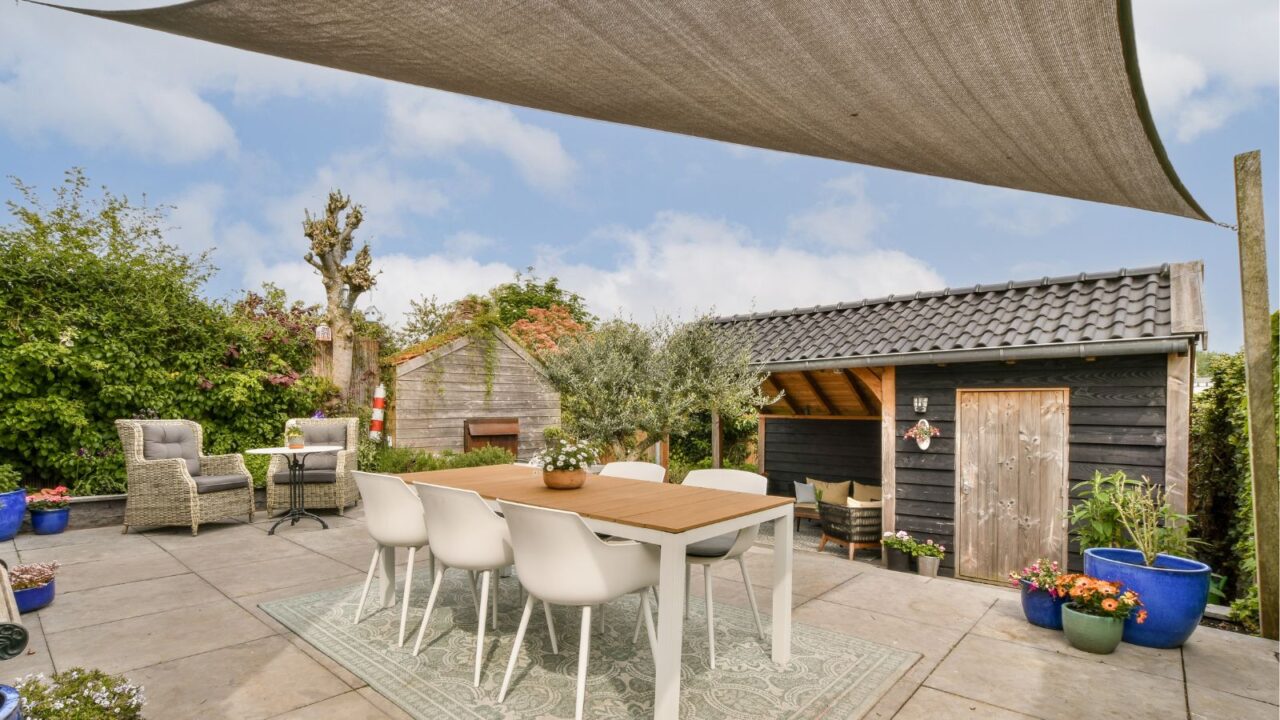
671, 589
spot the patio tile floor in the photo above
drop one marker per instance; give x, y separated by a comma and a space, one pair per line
179, 614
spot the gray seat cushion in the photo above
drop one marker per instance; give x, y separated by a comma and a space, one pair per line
713, 547
171, 441
326, 434
309, 475
218, 483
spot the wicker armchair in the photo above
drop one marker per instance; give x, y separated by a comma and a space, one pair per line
856, 528
330, 483
170, 481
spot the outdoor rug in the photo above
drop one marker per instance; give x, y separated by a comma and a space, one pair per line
831, 675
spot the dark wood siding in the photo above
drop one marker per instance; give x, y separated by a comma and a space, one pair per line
821, 449
1116, 422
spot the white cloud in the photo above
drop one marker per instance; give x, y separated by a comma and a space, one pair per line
845, 219
437, 124
107, 86
1013, 212
1203, 63
682, 264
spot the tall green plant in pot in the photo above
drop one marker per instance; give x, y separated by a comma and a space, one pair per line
1147, 554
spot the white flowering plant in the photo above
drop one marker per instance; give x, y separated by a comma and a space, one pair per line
564, 453
79, 694
899, 541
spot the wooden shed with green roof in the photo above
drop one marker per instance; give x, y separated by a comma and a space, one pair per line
462, 391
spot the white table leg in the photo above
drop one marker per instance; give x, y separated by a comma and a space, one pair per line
782, 588
671, 590
387, 577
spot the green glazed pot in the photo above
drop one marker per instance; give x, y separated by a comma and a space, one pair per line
1091, 633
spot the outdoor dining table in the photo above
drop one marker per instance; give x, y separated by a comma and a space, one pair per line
668, 515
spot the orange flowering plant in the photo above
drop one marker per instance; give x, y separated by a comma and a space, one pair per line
1101, 598
49, 499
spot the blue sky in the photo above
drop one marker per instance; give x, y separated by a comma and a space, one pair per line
460, 193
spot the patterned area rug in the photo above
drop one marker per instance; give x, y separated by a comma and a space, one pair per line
831, 675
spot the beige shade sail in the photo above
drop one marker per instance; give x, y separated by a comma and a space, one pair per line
1039, 95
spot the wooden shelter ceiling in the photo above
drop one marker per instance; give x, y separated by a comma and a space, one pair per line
846, 392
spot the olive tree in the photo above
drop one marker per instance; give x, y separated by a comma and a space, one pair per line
629, 386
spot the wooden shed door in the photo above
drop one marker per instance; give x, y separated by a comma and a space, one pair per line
1012, 480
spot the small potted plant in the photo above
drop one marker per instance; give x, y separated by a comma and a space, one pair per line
1093, 618
33, 585
13, 501
923, 433
293, 437
564, 462
80, 694
1041, 600
897, 550
928, 557
50, 510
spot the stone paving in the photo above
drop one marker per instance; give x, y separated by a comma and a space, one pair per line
179, 615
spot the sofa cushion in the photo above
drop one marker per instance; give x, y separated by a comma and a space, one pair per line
713, 547
218, 483
171, 441
862, 492
309, 475
833, 493
325, 434
805, 494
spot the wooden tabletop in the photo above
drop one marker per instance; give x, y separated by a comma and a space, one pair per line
659, 506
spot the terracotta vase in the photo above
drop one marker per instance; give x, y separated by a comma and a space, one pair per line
296, 443
564, 479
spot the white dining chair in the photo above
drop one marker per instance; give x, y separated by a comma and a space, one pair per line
724, 548
394, 519
561, 562
467, 535
650, 472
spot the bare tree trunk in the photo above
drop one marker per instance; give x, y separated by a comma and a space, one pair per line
343, 351
716, 439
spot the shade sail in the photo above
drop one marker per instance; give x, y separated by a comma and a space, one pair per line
1042, 96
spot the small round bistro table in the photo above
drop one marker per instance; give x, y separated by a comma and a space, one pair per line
296, 458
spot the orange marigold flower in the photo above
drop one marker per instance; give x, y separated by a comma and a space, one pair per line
1110, 604
1142, 616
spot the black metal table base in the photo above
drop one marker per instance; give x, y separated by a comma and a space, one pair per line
297, 496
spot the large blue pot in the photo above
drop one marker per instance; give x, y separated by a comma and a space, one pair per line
50, 522
1041, 608
13, 506
10, 704
1174, 591
34, 598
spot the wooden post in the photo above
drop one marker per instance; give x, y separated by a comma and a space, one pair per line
760, 430
1177, 429
888, 448
1256, 306
716, 450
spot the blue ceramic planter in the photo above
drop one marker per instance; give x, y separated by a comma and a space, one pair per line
35, 598
1041, 608
10, 704
1174, 591
50, 522
13, 506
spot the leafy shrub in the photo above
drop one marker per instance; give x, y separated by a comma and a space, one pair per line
79, 694
397, 460
106, 321
10, 479
1116, 511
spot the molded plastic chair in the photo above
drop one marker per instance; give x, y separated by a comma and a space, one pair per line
467, 535
724, 548
394, 519
560, 561
650, 472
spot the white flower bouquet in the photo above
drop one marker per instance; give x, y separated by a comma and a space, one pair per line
562, 454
